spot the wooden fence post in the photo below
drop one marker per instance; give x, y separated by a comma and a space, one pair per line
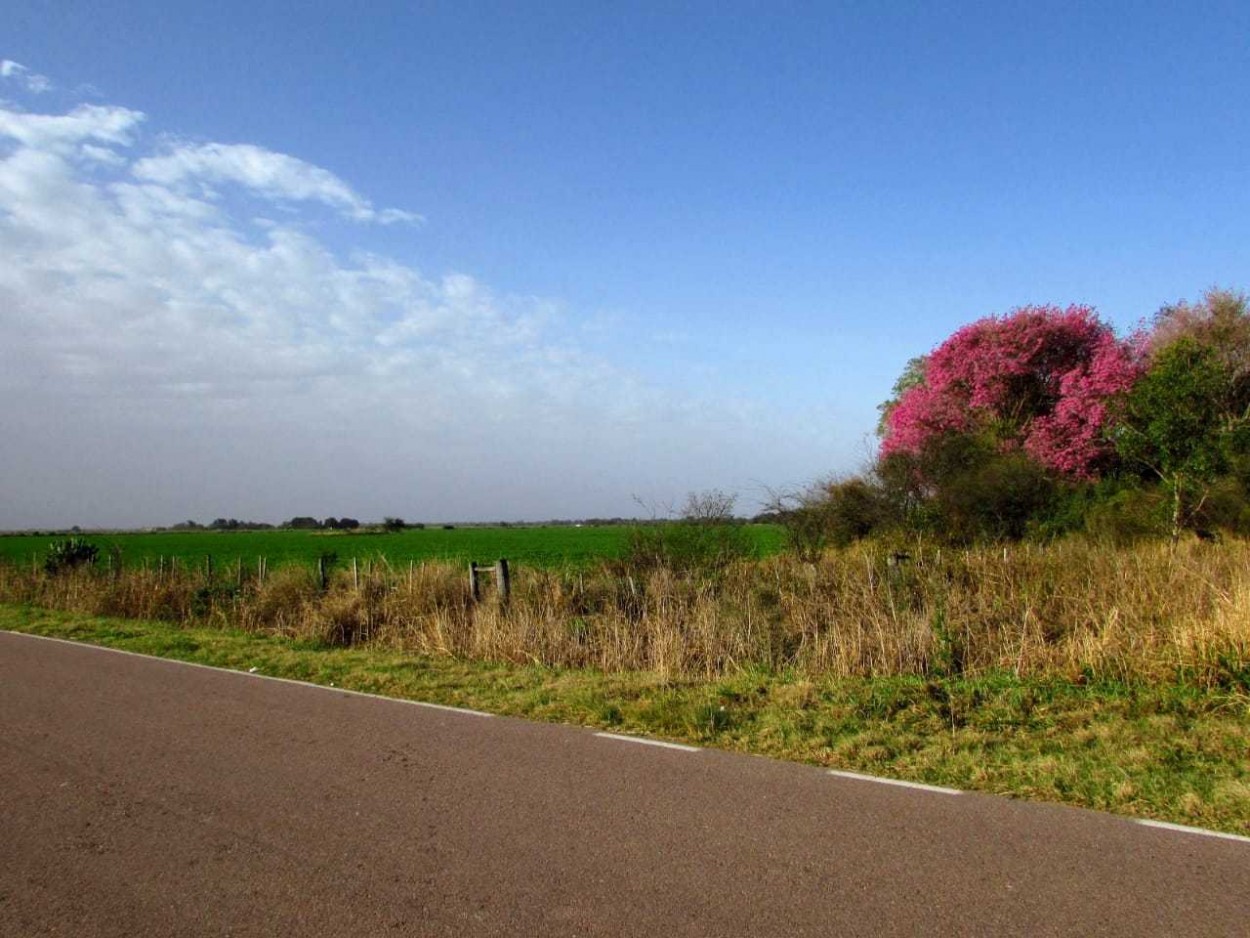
503, 580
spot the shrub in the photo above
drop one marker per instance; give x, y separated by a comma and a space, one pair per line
994, 500
685, 546
1225, 508
707, 537
806, 525
854, 509
965, 487
69, 554
1129, 515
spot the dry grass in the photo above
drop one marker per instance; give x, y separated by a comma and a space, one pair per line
1169, 751
1074, 610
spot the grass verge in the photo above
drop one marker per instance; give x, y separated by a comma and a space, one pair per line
1172, 752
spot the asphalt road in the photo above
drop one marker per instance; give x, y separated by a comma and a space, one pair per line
144, 797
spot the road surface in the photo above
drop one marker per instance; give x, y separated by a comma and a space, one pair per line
146, 797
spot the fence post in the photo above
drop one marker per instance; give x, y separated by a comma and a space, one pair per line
503, 580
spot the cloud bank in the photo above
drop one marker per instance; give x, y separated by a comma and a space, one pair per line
176, 341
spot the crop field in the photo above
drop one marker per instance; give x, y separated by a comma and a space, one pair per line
537, 545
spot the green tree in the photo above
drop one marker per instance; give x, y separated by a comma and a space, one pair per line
1221, 323
912, 377
1176, 424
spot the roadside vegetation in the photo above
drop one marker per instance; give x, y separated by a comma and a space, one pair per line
1074, 611
1166, 751
1040, 587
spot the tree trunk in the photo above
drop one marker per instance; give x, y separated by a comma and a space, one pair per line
1176, 507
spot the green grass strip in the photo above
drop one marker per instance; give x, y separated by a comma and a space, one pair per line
1170, 752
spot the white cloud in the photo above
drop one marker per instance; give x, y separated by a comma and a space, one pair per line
28, 80
273, 175
60, 132
191, 356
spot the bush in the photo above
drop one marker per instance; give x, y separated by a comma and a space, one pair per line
69, 554
1225, 508
1128, 516
685, 546
707, 537
964, 487
995, 500
855, 508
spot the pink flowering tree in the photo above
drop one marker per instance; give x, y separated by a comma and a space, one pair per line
1040, 379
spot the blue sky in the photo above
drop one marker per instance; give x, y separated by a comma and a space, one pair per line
661, 247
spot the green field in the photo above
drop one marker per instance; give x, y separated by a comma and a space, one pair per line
545, 546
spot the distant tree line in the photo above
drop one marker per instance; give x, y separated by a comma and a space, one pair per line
306, 523
392, 524
223, 524
300, 522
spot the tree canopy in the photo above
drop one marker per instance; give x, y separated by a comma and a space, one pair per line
1038, 379
1043, 421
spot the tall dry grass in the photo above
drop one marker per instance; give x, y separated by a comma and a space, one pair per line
1152, 612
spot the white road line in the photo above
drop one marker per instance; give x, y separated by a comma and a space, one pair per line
648, 742
894, 781
253, 674
1161, 825
1201, 831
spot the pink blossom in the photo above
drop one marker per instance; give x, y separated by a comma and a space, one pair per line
1040, 377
